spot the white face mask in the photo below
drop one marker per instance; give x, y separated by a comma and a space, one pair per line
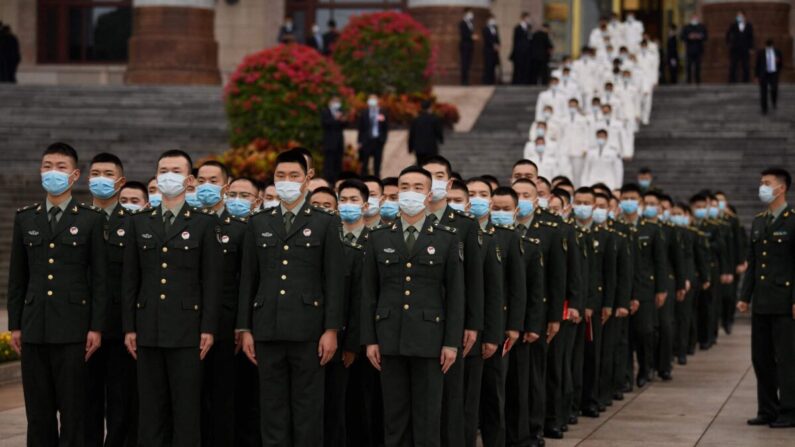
438, 190
411, 203
601, 141
288, 191
171, 184
543, 203
372, 102
270, 204
131, 207
374, 208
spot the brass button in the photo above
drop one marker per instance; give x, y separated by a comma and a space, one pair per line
762, 277
764, 253
83, 302
387, 261
286, 247
377, 317
224, 250
764, 241
437, 319
49, 293
164, 265
786, 283
264, 245
51, 261
408, 279
165, 249
195, 307
50, 277
405, 307
407, 292
284, 262
163, 281
315, 303
162, 296
599, 288
138, 305
651, 277
504, 307
52, 245
408, 265
284, 277
764, 265
282, 292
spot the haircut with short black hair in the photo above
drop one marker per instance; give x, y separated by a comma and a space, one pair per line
322, 190
525, 162
439, 160
105, 157
357, 185
601, 195
257, 185
630, 187
483, 180
292, 156
374, 179
136, 185
61, 149
490, 178
543, 180
781, 174
459, 185
563, 194
414, 169
176, 153
389, 181
219, 165
524, 181
308, 155
584, 190
698, 198
644, 170
456, 175
506, 191
601, 187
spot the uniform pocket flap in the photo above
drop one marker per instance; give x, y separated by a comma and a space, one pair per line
388, 258
312, 300
435, 316
185, 244
73, 240
430, 260
381, 313
78, 297
31, 241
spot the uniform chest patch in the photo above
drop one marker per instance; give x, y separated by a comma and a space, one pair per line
431, 250
779, 233
389, 250
224, 239
120, 232
146, 236
185, 235
73, 231
267, 234
307, 232
33, 232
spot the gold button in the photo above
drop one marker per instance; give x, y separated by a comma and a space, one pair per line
405, 307
779, 241
284, 262
195, 307
764, 241
74, 243
315, 303
786, 283
83, 302
307, 244
504, 307
284, 277
138, 305
377, 317
599, 288
164, 265
408, 265
408, 279
50, 277
224, 250
387, 261
437, 319
651, 277
286, 247
163, 281
282, 292
762, 277
52, 245
49, 293
165, 249
431, 262
764, 265
162, 296
764, 253
407, 292
264, 245
51, 261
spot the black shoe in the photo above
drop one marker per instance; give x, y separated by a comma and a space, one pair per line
553, 433
704, 346
642, 380
727, 328
759, 421
627, 388
682, 360
666, 376
603, 408
591, 412
782, 423
618, 395
540, 442
691, 351
564, 428
573, 420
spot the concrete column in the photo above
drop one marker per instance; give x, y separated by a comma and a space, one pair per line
173, 42
770, 19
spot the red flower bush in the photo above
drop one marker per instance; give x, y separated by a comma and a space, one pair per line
385, 52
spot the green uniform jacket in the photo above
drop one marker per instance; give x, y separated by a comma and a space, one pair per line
649, 260
292, 284
513, 303
719, 260
413, 302
117, 237
535, 318
674, 256
771, 265
605, 268
56, 280
349, 338
585, 243
493, 275
625, 263
574, 270
230, 236
545, 229
172, 281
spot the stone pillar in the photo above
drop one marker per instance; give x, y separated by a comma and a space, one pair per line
173, 42
770, 19
441, 17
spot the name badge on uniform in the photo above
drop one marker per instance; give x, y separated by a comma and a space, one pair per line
185, 235
73, 231
307, 232
267, 234
389, 250
225, 239
431, 250
146, 236
120, 232
33, 232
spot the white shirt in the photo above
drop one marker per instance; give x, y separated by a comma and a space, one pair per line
770, 54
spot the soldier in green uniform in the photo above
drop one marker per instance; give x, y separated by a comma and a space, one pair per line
375, 199
289, 324
111, 385
57, 301
454, 399
413, 313
389, 209
738, 262
724, 289
133, 196
648, 287
769, 289
171, 292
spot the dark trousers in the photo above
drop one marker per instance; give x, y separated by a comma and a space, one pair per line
112, 397
642, 336
539, 72
54, 385
492, 399
374, 149
693, 336
218, 395
693, 66
622, 367
365, 405
517, 394
465, 55
412, 388
728, 298
291, 383
538, 386
773, 358
742, 60
559, 381
606, 385
664, 324
768, 83
574, 396
490, 62
332, 163
169, 395
683, 316
247, 414
453, 405
473, 381
334, 424
673, 71
593, 338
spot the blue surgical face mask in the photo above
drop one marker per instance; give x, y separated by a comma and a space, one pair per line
583, 212
540, 148
700, 213
155, 199
525, 208
374, 208
599, 215
208, 194
713, 212
193, 200
766, 194
411, 202
543, 203
629, 206
350, 212
457, 206
665, 216
55, 182
644, 183
389, 209
721, 205
540, 132
611, 215
238, 207
502, 217
650, 212
102, 187
131, 207
479, 206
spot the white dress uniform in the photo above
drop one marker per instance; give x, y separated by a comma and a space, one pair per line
574, 142
649, 65
553, 98
551, 133
629, 94
633, 30
550, 162
603, 164
618, 136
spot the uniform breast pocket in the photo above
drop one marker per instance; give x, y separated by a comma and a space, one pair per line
308, 245
387, 260
115, 248
430, 262
31, 242
75, 248
186, 253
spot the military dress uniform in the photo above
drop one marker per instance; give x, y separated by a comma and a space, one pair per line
707, 300
112, 390
291, 292
674, 280
694, 255
726, 293
171, 291
582, 331
412, 307
770, 289
56, 295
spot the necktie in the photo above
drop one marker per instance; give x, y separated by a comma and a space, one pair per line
350, 237
54, 212
521, 229
374, 122
769, 220
167, 216
288, 221
411, 238
433, 218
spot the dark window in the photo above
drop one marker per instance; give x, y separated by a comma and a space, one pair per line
306, 13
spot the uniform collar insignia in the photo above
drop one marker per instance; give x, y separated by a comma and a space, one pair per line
430, 229
451, 215
389, 250
187, 213
121, 212
308, 211
267, 234
227, 220
394, 227
154, 212
274, 211
74, 210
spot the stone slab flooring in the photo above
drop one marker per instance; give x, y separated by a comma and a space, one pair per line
706, 404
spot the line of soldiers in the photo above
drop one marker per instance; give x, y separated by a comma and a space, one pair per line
419, 310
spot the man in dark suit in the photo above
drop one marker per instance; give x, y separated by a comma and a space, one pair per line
740, 40
171, 292
491, 51
425, 134
316, 41
287, 31
288, 325
333, 143
540, 52
672, 55
111, 371
768, 66
466, 44
330, 37
521, 51
57, 301
373, 128
694, 36
769, 285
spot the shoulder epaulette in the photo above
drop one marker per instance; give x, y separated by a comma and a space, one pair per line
90, 207
379, 227
203, 210
549, 223
532, 240
463, 214
29, 207
230, 218
504, 227
439, 226
317, 208
353, 244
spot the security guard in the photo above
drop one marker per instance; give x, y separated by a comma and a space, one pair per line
171, 292
413, 313
770, 290
112, 389
56, 301
288, 323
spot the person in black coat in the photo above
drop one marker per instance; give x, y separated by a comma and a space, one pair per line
333, 144
316, 40
491, 51
9, 55
330, 36
740, 39
672, 55
768, 66
520, 53
425, 134
373, 127
287, 31
694, 35
466, 43
540, 51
